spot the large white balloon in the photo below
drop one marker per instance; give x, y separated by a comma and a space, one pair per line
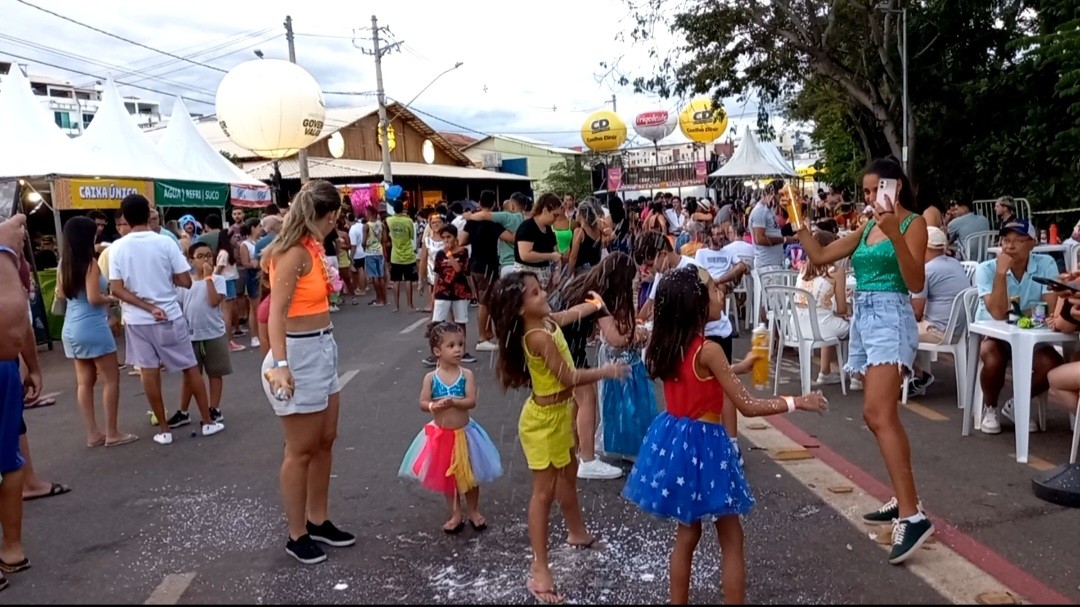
271, 107
655, 125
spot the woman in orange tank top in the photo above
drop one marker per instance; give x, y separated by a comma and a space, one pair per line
300, 372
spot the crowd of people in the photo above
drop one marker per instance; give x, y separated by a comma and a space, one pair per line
645, 281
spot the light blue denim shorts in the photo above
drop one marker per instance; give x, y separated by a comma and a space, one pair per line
883, 331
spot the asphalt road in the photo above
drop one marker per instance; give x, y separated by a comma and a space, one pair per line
200, 521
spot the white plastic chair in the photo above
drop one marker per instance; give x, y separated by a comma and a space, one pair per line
953, 341
782, 305
746, 288
976, 244
969, 269
783, 278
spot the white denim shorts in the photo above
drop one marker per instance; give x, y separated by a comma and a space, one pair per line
313, 363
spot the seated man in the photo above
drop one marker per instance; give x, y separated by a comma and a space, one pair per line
1001, 281
945, 279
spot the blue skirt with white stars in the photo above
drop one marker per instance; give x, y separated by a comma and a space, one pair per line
688, 471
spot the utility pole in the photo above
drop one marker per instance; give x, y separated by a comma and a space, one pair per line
292, 58
384, 124
614, 107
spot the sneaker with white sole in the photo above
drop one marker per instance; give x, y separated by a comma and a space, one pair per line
212, 428
597, 469
487, 346
855, 384
888, 512
990, 423
163, 438
255, 343
305, 550
829, 379
907, 537
1007, 413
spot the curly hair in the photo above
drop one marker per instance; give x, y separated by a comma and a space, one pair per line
505, 302
436, 331
681, 310
613, 279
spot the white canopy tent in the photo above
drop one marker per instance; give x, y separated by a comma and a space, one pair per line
184, 149
115, 139
754, 159
33, 146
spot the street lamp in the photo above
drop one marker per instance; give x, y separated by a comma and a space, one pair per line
384, 127
884, 7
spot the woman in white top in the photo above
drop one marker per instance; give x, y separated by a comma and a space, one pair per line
250, 231
225, 266
828, 286
430, 246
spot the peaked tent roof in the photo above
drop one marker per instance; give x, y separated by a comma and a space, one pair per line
185, 149
34, 145
751, 159
115, 140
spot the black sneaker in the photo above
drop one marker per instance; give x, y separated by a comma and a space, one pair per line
468, 358
888, 512
305, 550
179, 419
215, 415
330, 535
430, 361
907, 537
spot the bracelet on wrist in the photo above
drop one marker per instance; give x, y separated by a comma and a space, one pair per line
790, 403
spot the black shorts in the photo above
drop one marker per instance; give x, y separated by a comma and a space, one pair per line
403, 272
725, 344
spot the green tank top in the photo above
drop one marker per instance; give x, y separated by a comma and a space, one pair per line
564, 238
544, 381
876, 267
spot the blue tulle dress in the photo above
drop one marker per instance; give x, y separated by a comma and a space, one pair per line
627, 406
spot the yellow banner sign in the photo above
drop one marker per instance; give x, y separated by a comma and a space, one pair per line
106, 193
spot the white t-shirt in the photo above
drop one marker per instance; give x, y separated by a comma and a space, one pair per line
742, 250
203, 321
147, 262
356, 236
715, 328
459, 223
229, 271
717, 263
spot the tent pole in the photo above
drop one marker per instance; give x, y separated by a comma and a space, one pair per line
56, 215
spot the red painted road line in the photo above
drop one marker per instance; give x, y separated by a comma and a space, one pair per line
1016, 579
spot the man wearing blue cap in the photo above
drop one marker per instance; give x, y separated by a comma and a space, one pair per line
1000, 281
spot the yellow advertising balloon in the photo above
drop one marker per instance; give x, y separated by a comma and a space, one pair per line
703, 122
603, 131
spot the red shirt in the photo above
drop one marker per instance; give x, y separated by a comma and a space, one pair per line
689, 395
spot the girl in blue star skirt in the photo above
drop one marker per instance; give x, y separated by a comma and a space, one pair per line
688, 470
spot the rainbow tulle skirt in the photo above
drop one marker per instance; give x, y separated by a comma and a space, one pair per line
452, 461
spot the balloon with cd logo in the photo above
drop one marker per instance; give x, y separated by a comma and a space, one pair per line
603, 131
702, 121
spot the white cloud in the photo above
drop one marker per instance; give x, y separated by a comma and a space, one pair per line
529, 67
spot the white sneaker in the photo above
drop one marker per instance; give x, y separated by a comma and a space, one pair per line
255, 343
1007, 413
855, 384
598, 470
990, 423
164, 438
830, 379
487, 346
212, 429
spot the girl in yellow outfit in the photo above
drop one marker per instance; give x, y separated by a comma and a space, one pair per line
534, 353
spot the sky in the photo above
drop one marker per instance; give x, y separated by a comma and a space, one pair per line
527, 68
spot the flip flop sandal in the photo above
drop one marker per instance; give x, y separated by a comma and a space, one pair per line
454, 530
3, 583
478, 527
47, 401
593, 544
22, 565
536, 592
54, 489
96, 443
127, 438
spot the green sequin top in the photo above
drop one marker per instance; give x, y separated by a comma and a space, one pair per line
876, 267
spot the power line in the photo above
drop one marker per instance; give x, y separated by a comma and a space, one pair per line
118, 37
323, 36
97, 77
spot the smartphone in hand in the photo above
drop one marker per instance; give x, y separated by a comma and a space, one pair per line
886, 194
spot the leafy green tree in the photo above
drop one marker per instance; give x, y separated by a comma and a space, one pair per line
570, 177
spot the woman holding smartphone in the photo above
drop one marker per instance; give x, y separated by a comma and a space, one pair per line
887, 256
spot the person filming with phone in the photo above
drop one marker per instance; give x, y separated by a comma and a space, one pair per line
1012, 277
887, 257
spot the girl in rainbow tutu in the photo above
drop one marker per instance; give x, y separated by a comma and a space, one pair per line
452, 454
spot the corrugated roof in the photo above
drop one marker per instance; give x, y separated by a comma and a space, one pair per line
536, 143
333, 168
458, 140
